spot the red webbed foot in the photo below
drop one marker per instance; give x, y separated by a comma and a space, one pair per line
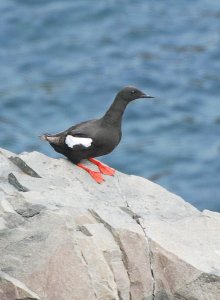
97, 176
104, 169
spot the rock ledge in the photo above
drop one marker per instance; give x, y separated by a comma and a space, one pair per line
63, 237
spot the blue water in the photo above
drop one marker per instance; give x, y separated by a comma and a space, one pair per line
63, 61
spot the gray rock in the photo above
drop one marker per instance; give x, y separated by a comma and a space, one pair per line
13, 181
68, 238
11, 288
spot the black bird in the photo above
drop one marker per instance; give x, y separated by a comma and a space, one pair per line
95, 137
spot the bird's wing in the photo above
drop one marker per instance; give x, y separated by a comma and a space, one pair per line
72, 141
81, 134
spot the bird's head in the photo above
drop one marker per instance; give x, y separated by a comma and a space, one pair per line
130, 93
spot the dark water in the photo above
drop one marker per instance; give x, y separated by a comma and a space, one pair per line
63, 61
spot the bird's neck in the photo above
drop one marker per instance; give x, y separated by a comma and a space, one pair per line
114, 114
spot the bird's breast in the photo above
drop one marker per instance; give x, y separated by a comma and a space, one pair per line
107, 141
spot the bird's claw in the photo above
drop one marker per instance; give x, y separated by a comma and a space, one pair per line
97, 176
106, 170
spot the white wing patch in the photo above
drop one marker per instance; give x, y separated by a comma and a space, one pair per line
72, 141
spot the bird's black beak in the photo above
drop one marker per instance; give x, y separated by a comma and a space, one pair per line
146, 96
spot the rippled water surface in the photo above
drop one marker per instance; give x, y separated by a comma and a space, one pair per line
63, 61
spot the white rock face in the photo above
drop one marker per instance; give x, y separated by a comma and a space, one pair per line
64, 237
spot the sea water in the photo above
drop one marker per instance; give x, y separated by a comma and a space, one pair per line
62, 62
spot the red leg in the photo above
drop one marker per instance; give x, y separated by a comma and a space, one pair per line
103, 168
97, 176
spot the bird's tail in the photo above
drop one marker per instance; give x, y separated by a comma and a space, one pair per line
54, 139
43, 137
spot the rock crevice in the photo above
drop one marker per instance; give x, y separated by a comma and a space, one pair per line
116, 238
151, 258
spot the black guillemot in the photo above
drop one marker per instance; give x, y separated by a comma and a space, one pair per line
95, 137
